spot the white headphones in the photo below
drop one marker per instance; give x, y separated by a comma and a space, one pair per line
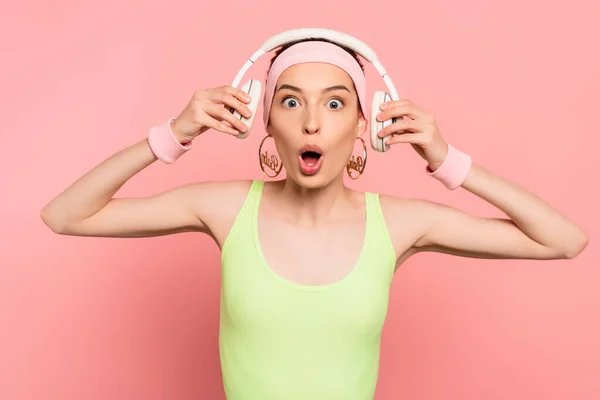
254, 87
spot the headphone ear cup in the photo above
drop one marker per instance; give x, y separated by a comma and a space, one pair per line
254, 89
378, 143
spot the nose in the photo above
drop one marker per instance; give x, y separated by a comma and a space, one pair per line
311, 123
311, 130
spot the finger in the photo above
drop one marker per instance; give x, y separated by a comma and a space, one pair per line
399, 109
237, 93
222, 114
401, 103
403, 125
397, 113
414, 138
220, 126
213, 121
231, 103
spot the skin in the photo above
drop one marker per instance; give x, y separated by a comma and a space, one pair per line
323, 216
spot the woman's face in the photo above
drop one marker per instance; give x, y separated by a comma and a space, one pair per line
315, 121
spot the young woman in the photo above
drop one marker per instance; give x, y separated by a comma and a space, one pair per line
307, 262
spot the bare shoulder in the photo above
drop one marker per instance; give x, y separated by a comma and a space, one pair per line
407, 222
220, 189
218, 203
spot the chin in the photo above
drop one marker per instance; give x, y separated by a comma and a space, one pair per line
317, 181
310, 182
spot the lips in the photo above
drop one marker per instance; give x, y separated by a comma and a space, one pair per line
310, 158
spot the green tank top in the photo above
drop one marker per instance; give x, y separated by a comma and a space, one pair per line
280, 340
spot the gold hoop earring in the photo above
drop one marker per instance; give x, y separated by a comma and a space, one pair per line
272, 162
357, 164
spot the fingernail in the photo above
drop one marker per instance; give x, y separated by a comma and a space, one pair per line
384, 106
380, 115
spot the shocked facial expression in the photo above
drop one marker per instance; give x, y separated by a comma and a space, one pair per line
315, 120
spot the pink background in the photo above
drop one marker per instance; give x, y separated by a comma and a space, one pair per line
513, 83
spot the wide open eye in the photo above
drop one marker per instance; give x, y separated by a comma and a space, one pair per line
290, 102
335, 104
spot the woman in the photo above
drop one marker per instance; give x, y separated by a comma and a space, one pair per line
307, 262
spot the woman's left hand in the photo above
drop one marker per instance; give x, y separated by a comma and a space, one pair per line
416, 127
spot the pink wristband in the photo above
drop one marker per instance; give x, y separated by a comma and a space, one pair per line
454, 170
164, 144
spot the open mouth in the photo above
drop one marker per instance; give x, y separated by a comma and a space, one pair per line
310, 158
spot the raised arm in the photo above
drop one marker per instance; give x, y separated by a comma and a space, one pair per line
533, 229
88, 207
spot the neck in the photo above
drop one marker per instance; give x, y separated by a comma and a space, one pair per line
312, 207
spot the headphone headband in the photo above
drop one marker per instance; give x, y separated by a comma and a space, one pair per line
319, 33
339, 38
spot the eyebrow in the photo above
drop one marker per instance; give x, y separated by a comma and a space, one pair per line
297, 89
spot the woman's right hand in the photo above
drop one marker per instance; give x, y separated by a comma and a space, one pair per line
210, 108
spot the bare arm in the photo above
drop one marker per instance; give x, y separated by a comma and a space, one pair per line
88, 206
534, 229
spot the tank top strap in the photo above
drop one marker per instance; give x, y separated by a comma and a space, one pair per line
245, 217
379, 236
252, 198
375, 213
